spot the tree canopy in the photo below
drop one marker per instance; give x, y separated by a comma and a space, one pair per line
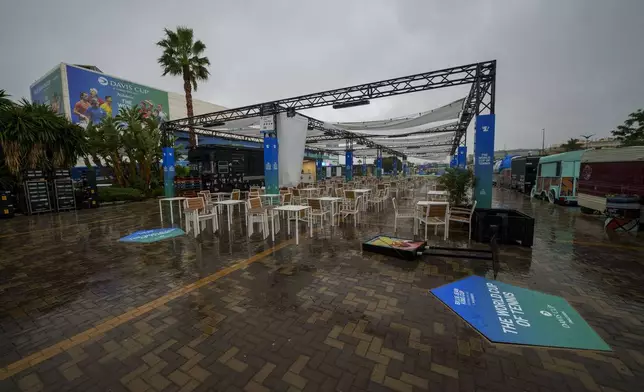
572, 145
631, 133
183, 56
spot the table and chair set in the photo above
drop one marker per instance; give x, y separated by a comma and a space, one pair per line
329, 202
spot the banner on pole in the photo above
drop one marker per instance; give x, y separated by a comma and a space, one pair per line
484, 159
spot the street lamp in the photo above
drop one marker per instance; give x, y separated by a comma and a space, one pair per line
587, 137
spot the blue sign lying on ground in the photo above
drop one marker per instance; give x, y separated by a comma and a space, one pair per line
508, 314
153, 235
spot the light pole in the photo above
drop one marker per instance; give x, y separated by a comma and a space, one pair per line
587, 137
543, 141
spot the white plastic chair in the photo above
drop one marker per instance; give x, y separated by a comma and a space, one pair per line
196, 213
401, 214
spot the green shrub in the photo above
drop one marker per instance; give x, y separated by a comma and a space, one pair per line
111, 194
457, 181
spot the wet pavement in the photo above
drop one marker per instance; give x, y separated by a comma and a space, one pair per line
81, 311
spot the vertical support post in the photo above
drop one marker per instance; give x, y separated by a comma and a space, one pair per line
395, 165
364, 166
348, 162
168, 171
483, 159
379, 164
461, 158
404, 168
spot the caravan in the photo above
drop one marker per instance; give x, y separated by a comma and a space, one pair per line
557, 177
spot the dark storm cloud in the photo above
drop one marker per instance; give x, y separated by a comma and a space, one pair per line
571, 66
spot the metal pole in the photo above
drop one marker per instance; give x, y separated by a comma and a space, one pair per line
543, 141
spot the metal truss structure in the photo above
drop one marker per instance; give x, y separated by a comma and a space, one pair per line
480, 100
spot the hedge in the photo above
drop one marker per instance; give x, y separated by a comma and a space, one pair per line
111, 194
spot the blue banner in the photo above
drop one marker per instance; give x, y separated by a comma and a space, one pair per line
395, 164
461, 157
484, 159
510, 314
404, 168
271, 168
452, 161
153, 235
379, 167
348, 162
364, 167
168, 171
318, 170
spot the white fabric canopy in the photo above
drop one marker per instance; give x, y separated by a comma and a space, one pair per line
450, 111
291, 136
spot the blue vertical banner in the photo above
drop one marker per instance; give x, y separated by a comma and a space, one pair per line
168, 171
379, 166
364, 167
452, 161
319, 176
395, 166
461, 157
348, 162
271, 169
404, 168
484, 159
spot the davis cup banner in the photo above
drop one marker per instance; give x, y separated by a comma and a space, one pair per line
510, 314
94, 96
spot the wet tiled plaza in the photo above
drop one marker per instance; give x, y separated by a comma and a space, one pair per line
81, 311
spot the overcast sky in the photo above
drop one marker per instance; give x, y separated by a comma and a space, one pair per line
572, 67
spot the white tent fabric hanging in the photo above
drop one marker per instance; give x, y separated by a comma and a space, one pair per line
448, 112
291, 134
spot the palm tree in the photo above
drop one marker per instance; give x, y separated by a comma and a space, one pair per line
182, 55
33, 137
571, 145
4, 100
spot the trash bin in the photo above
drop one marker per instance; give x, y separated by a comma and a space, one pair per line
512, 226
622, 213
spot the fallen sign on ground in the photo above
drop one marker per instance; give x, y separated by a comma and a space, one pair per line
152, 235
509, 314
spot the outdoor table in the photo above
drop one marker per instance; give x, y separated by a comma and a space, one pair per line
309, 190
362, 192
170, 200
331, 200
228, 204
437, 193
221, 196
296, 209
426, 203
272, 196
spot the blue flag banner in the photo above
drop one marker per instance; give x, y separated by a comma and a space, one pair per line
348, 162
318, 170
452, 161
484, 159
271, 168
168, 171
461, 157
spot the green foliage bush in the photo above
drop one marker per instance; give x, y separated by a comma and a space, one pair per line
112, 194
457, 182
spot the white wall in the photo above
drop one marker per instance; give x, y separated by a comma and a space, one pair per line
177, 103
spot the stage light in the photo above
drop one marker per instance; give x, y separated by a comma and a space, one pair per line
351, 104
214, 124
290, 112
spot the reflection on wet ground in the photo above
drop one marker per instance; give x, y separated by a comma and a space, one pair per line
81, 311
